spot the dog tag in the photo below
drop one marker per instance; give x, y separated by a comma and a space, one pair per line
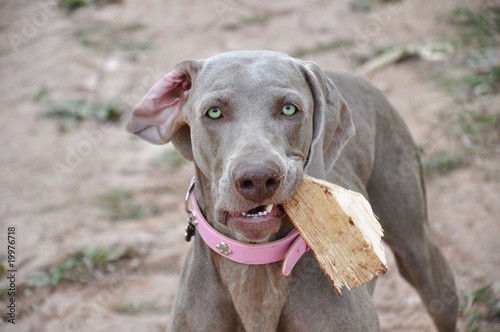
189, 232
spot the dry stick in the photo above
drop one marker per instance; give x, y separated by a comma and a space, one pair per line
436, 51
340, 228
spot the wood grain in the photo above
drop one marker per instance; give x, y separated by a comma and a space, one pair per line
340, 228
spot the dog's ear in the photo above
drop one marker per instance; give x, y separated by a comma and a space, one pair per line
332, 122
159, 116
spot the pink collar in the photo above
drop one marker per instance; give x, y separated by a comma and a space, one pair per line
289, 249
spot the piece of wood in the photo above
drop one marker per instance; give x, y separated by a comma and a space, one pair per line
388, 58
340, 228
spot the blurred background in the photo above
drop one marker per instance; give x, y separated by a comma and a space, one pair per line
99, 213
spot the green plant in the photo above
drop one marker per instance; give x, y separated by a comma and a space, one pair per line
135, 307
481, 129
475, 132
143, 44
443, 161
361, 6
39, 95
477, 27
120, 205
245, 20
75, 4
475, 36
472, 73
4, 292
448, 83
257, 18
485, 81
81, 266
73, 110
321, 47
481, 309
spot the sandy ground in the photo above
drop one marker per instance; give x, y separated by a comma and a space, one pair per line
118, 51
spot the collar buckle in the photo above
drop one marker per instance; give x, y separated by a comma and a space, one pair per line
192, 222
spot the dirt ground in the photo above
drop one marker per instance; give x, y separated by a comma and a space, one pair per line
68, 187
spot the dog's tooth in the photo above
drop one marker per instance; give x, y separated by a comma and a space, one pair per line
260, 213
269, 208
264, 213
243, 214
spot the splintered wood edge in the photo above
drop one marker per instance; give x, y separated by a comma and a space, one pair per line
371, 231
339, 284
352, 205
372, 228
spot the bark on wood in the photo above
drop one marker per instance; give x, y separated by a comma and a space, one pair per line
340, 228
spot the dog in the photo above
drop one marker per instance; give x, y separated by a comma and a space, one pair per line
253, 122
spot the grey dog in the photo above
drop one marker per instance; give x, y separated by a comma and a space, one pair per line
254, 122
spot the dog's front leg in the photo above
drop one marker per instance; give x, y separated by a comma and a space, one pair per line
202, 303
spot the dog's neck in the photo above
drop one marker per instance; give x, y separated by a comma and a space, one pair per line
203, 195
259, 306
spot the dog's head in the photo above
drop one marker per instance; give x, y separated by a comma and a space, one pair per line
252, 122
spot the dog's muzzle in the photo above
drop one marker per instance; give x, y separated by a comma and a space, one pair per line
288, 249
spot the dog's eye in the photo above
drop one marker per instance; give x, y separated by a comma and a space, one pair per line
214, 112
289, 109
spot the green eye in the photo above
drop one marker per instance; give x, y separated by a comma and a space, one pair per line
214, 112
289, 109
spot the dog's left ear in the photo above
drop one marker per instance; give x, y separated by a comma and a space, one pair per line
159, 116
332, 122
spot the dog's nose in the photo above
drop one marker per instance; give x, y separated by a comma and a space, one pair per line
257, 182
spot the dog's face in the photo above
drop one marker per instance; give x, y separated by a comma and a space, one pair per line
251, 129
250, 121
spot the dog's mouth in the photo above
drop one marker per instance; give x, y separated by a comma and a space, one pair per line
255, 225
260, 211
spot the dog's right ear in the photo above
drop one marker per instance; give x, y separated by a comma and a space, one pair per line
159, 117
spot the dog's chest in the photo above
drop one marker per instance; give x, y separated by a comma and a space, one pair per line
259, 293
